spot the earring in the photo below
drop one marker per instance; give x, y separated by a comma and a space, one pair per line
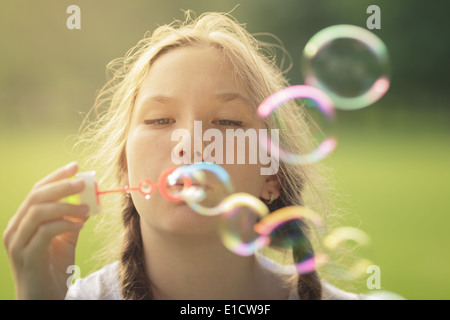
269, 202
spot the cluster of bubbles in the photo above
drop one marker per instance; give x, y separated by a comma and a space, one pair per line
247, 228
344, 67
277, 240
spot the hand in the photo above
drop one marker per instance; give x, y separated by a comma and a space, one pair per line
41, 237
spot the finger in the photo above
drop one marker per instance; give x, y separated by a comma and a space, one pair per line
55, 191
44, 213
39, 244
64, 172
51, 192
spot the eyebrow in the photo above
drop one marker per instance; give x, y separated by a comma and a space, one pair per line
158, 98
226, 97
223, 97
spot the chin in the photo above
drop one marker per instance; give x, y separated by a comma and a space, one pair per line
180, 219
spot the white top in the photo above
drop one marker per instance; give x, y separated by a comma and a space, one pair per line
104, 285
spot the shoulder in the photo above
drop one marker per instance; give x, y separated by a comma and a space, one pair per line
99, 285
330, 292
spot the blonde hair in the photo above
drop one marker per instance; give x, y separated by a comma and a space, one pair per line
256, 68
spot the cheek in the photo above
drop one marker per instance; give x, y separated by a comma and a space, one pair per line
245, 168
246, 178
147, 156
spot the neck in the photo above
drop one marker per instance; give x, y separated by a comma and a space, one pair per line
200, 267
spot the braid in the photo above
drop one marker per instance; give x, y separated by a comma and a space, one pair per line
309, 286
135, 285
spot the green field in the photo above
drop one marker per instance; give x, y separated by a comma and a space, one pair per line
392, 175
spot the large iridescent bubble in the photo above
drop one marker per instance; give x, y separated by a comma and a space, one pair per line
290, 250
322, 102
350, 64
240, 213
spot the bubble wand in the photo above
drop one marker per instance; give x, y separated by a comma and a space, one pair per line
91, 194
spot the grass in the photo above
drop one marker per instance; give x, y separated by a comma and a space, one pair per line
396, 181
28, 156
392, 180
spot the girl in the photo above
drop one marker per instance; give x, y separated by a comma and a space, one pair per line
210, 70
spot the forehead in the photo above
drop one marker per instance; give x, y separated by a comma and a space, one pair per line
191, 70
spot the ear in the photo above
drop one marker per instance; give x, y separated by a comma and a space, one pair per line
272, 185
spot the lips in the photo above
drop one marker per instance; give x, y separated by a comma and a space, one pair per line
202, 186
194, 193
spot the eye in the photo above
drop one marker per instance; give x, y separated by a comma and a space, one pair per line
226, 122
159, 122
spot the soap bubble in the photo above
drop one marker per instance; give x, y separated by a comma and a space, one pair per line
210, 184
346, 239
350, 64
240, 213
340, 235
321, 101
290, 250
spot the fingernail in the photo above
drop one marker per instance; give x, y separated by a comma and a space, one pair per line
70, 165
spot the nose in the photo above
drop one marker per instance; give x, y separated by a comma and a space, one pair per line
191, 147
196, 155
